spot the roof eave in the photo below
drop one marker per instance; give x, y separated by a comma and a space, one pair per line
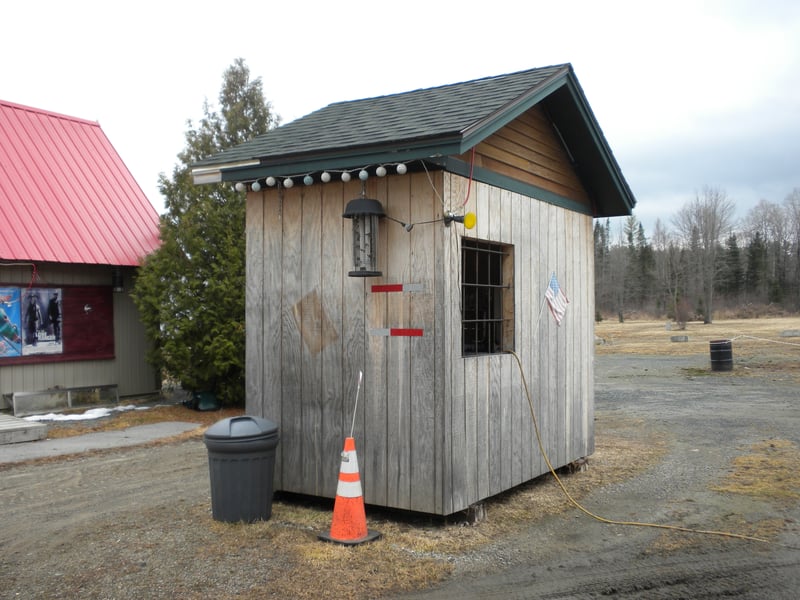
625, 201
294, 165
480, 130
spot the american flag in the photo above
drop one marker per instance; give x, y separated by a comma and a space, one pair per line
556, 299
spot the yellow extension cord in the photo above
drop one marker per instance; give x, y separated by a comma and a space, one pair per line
577, 505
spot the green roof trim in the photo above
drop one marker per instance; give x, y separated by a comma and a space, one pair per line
431, 124
459, 167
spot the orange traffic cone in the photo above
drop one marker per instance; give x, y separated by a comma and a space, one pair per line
349, 524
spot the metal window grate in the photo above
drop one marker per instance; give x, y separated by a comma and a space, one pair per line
487, 297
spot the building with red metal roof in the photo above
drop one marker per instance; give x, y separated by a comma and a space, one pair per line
74, 227
66, 195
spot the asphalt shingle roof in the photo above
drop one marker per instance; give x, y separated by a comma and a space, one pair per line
442, 121
433, 113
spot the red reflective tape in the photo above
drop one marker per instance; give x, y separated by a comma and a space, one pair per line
349, 476
388, 287
397, 287
405, 332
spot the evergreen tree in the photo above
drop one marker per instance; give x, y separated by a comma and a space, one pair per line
731, 275
756, 273
645, 266
633, 287
190, 292
601, 254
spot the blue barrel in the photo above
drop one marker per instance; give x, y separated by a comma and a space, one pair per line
721, 355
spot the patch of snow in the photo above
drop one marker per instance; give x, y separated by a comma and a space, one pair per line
92, 413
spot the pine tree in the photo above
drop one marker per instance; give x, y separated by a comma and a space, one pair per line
190, 292
731, 274
756, 273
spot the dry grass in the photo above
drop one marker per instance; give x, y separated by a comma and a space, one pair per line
757, 344
133, 418
417, 551
768, 471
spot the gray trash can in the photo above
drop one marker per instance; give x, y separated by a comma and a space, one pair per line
241, 463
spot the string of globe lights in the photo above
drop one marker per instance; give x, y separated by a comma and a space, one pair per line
325, 177
401, 168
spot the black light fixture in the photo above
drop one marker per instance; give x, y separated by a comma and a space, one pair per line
468, 220
117, 280
364, 212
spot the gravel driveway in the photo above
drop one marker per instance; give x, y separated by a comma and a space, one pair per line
123, 524
708, 419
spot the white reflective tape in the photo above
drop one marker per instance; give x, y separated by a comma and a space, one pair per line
349, 489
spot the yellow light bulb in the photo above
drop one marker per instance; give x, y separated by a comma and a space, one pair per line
469, 220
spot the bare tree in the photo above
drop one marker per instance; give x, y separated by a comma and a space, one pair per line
705, 221
773, 223
791, 208
667, 268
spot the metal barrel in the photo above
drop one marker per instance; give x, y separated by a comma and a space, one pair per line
721, 355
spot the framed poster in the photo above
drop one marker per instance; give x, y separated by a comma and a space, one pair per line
41, 321
10, 329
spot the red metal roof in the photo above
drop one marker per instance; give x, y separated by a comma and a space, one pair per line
65, 194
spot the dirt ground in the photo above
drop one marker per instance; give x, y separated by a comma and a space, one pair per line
678, 446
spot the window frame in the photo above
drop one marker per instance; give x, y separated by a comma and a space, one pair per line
487, 297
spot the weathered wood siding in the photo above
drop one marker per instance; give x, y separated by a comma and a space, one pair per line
435, 432
489, 433
128, 369
310, 330
529, 150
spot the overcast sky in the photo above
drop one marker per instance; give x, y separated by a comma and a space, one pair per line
687, 93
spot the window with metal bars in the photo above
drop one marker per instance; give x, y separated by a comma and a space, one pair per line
487, 297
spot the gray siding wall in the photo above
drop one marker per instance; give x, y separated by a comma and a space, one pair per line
491, 443
435, 432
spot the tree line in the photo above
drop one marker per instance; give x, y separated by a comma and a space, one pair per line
702, 261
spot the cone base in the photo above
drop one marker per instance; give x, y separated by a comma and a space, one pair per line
370, 537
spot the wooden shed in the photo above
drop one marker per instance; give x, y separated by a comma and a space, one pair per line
437, 323
75, 225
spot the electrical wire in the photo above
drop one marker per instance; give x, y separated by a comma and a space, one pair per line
469, 184
589, 513
34, 271
430, 181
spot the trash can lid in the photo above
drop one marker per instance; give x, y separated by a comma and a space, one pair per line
241, 428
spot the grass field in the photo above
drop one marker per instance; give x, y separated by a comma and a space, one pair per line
759, 345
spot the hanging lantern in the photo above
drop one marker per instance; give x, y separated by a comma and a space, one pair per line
364, 212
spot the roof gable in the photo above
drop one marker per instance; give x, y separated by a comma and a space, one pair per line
429, 124
65, 194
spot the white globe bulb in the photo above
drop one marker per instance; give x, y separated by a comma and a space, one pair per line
345, 176
363, 175
240, 187
325, 177
380, 171
287, 183
401, 169
308, 180
271, 181
256, 186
